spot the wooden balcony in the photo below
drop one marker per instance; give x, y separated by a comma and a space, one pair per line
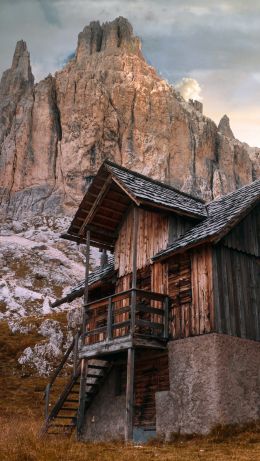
133, 318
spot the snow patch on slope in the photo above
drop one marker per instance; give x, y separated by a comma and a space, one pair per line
36, 267
42, 356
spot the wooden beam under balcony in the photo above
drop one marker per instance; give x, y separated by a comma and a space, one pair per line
120, 344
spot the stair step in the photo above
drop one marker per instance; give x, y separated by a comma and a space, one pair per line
98, 367
94, 376
64, 417
71, 401
68, 409
62, 425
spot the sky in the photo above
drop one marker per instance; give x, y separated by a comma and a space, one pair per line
214, 44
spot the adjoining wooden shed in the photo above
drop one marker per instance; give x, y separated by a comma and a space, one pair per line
171, 325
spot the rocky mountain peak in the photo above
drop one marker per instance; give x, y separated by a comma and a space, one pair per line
224, 127
106, 103
16, 90
108, 36
21, 60
19, 76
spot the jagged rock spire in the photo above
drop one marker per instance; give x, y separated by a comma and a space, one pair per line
224, 127
21, 61
108, 36
19, 77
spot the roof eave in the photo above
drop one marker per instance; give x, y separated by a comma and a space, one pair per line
167, 255
170, 209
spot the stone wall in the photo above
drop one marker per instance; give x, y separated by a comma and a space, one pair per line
214, 379
106, 416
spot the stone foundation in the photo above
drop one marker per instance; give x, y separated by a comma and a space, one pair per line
214, 379
105, 418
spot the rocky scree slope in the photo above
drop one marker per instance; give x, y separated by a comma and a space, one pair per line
37, 267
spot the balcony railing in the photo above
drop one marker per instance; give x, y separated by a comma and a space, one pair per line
129, 313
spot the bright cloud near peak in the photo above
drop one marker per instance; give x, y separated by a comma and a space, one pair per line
189, 88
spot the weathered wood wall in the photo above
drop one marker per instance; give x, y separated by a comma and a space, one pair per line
143, 280
236, 293
245, 236
236, 264
178, 225
151, 376
179, 289
153, 232
202, 320
159, 279
187, 279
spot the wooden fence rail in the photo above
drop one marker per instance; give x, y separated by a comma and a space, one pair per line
116, 316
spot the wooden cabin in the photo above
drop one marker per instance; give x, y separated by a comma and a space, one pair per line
171, 321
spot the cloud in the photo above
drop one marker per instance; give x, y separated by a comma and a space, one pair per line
50, 11
189, 88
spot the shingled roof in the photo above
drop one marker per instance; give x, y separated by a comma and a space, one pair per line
223, 214
145, 189
110, 194
99, 274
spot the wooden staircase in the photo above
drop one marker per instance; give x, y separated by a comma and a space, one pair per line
63, 416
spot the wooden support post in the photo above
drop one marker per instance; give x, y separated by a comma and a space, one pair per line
47, 401
131, 351
109, 319
82, 397
75, 353
85, 299
166, 317
84, 364
129, 395
134, 268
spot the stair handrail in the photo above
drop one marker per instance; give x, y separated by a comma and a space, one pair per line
72, 346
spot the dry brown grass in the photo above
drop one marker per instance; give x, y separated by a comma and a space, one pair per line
20, 441
20, 392
21, 408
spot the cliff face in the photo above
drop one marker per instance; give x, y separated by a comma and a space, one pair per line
107, 102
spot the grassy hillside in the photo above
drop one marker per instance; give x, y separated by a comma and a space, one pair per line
21, 416
19, 441
22, 391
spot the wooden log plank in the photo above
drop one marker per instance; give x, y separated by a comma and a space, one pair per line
216, 296
149, 309
195, 294
148, 324
129, 395
211, 314
240, 300
255, 275
234, 324
225, 290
